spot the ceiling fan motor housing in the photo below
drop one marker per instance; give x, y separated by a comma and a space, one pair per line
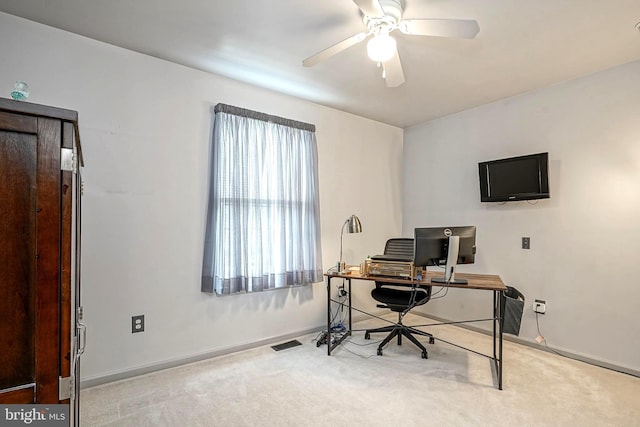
392, 8
389, 21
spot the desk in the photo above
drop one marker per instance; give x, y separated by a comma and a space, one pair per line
483, 282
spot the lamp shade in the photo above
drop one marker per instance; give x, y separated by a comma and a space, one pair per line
354, 225
381, 47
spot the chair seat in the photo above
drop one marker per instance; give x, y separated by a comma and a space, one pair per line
397, 299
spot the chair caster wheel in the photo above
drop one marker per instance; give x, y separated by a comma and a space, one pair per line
425, 355
322, 340
379, 352
432, 340
367, 336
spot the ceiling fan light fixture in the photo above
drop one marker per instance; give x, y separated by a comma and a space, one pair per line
381, 47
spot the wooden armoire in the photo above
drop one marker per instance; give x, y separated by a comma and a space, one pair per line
41, 333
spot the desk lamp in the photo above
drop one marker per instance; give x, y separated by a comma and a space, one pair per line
353, 226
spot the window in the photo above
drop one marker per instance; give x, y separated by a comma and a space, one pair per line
263, 222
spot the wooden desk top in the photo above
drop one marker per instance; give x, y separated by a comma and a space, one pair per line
491, 282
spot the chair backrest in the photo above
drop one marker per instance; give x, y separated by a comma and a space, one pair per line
402, 247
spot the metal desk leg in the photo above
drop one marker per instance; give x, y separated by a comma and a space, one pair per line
328, 315
349, 296
495, 315
500, 340
497, 335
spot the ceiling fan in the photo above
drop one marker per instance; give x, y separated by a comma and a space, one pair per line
381, 17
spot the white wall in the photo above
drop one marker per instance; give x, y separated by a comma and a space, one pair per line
145, 126
584, 240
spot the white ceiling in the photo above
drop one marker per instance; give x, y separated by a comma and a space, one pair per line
522, 45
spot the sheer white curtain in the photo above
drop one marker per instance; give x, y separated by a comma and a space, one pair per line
263, 223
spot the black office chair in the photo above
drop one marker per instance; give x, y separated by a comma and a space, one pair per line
400, 300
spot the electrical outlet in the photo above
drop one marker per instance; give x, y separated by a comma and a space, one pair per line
137, 323
526, 243
539, 306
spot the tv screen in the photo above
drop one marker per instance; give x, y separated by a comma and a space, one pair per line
515, 178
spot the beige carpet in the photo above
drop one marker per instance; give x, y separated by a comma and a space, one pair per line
302, 386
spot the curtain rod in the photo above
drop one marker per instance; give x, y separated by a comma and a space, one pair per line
243, 112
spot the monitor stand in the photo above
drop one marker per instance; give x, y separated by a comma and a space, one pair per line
450, 267
449, 282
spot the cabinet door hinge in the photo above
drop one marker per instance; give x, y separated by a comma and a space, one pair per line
68, 160
65, 388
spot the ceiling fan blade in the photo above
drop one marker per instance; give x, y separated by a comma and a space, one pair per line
393, 74
370, 8
465, 29
336, 48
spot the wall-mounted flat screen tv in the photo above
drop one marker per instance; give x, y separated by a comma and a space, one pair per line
515, 178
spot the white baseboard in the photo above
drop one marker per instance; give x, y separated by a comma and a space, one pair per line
172, 363
166, 364
537, 346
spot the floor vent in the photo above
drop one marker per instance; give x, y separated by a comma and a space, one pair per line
286, 345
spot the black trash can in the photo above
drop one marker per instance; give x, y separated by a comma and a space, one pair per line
511, 310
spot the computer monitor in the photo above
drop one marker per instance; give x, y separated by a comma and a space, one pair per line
448, 245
